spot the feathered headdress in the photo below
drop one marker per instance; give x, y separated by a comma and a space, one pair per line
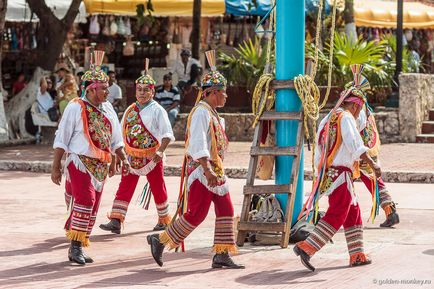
95, 73
358, 87
146, 79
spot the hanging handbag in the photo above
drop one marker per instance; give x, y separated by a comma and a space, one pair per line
94, 27
128, 48
53, 115
113, 26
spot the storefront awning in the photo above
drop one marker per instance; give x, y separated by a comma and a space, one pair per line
161, 7
19, 11
246, 7
383, 14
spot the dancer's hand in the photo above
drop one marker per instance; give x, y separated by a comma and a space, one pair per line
158, 156
211, 177
56, 175
125, 167
377, 170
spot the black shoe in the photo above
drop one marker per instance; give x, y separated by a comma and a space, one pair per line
304, 258
391, 220
156, 248
223, 260
75, 253
87, 258
159, 227
113, 226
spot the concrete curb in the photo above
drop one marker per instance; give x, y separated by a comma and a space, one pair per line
232, 172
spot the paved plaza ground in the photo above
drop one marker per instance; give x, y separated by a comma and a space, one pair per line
33, 247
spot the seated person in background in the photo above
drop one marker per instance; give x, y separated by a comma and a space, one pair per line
44, 99
50, 88
188, 70
168, 97
68, 91
115, 92
19, 84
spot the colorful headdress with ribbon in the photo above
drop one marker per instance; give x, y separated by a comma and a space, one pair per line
146, 79
95, 74
213, 78
355, 91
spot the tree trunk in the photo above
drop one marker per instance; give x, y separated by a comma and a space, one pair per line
3, 123
51, 38
20, 103
195, 33
350, 26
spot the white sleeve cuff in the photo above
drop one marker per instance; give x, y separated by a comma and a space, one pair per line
200, 154
359, 152
60, 145
117, 145
169, 136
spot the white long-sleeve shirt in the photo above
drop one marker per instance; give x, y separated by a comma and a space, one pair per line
352, 146
183, 71
71, 137
155, 118
199, 143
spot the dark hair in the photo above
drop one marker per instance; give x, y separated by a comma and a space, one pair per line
79, 74
110, 72
167, 76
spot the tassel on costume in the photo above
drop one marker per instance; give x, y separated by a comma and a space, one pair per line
225, 248
358, 257
306, 247
166, 241
388, 209
145, 197
375, 200
165, 220
115, 215
80, 236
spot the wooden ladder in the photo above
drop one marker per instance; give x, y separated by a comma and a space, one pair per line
251, 189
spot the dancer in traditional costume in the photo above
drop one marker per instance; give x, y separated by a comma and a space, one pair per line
205, 180
371, 138
147, 133
89, 132
338, 151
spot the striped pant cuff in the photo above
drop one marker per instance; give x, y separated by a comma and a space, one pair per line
119, 210
354, 237
162, 209
177, 232
322, 234
224, 230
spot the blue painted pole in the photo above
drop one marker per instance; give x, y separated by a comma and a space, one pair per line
290, 29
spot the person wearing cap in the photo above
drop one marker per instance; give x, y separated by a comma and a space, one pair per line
147, 133
89, 132
61, 71
168, 96
188, 69
337, 154
205, 179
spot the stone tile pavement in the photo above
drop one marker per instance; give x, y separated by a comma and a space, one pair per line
33, 247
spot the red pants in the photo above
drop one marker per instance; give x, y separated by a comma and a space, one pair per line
199, 202
126, 190
385, 198
84, 207
340, 213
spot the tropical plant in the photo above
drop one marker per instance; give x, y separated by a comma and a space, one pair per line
246, 66
373, 54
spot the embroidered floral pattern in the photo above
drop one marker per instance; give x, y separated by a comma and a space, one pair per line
100, 129
95, 167
136, 133
330, 176
137, 163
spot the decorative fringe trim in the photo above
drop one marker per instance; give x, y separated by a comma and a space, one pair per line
80, 236
225, 248
167, 241
388, 209
145, 170
306, 247
198, 174
358, 257
115, 215
165, 220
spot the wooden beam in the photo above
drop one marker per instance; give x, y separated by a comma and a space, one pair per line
274, 151
266, 189
273, 115
282, 84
